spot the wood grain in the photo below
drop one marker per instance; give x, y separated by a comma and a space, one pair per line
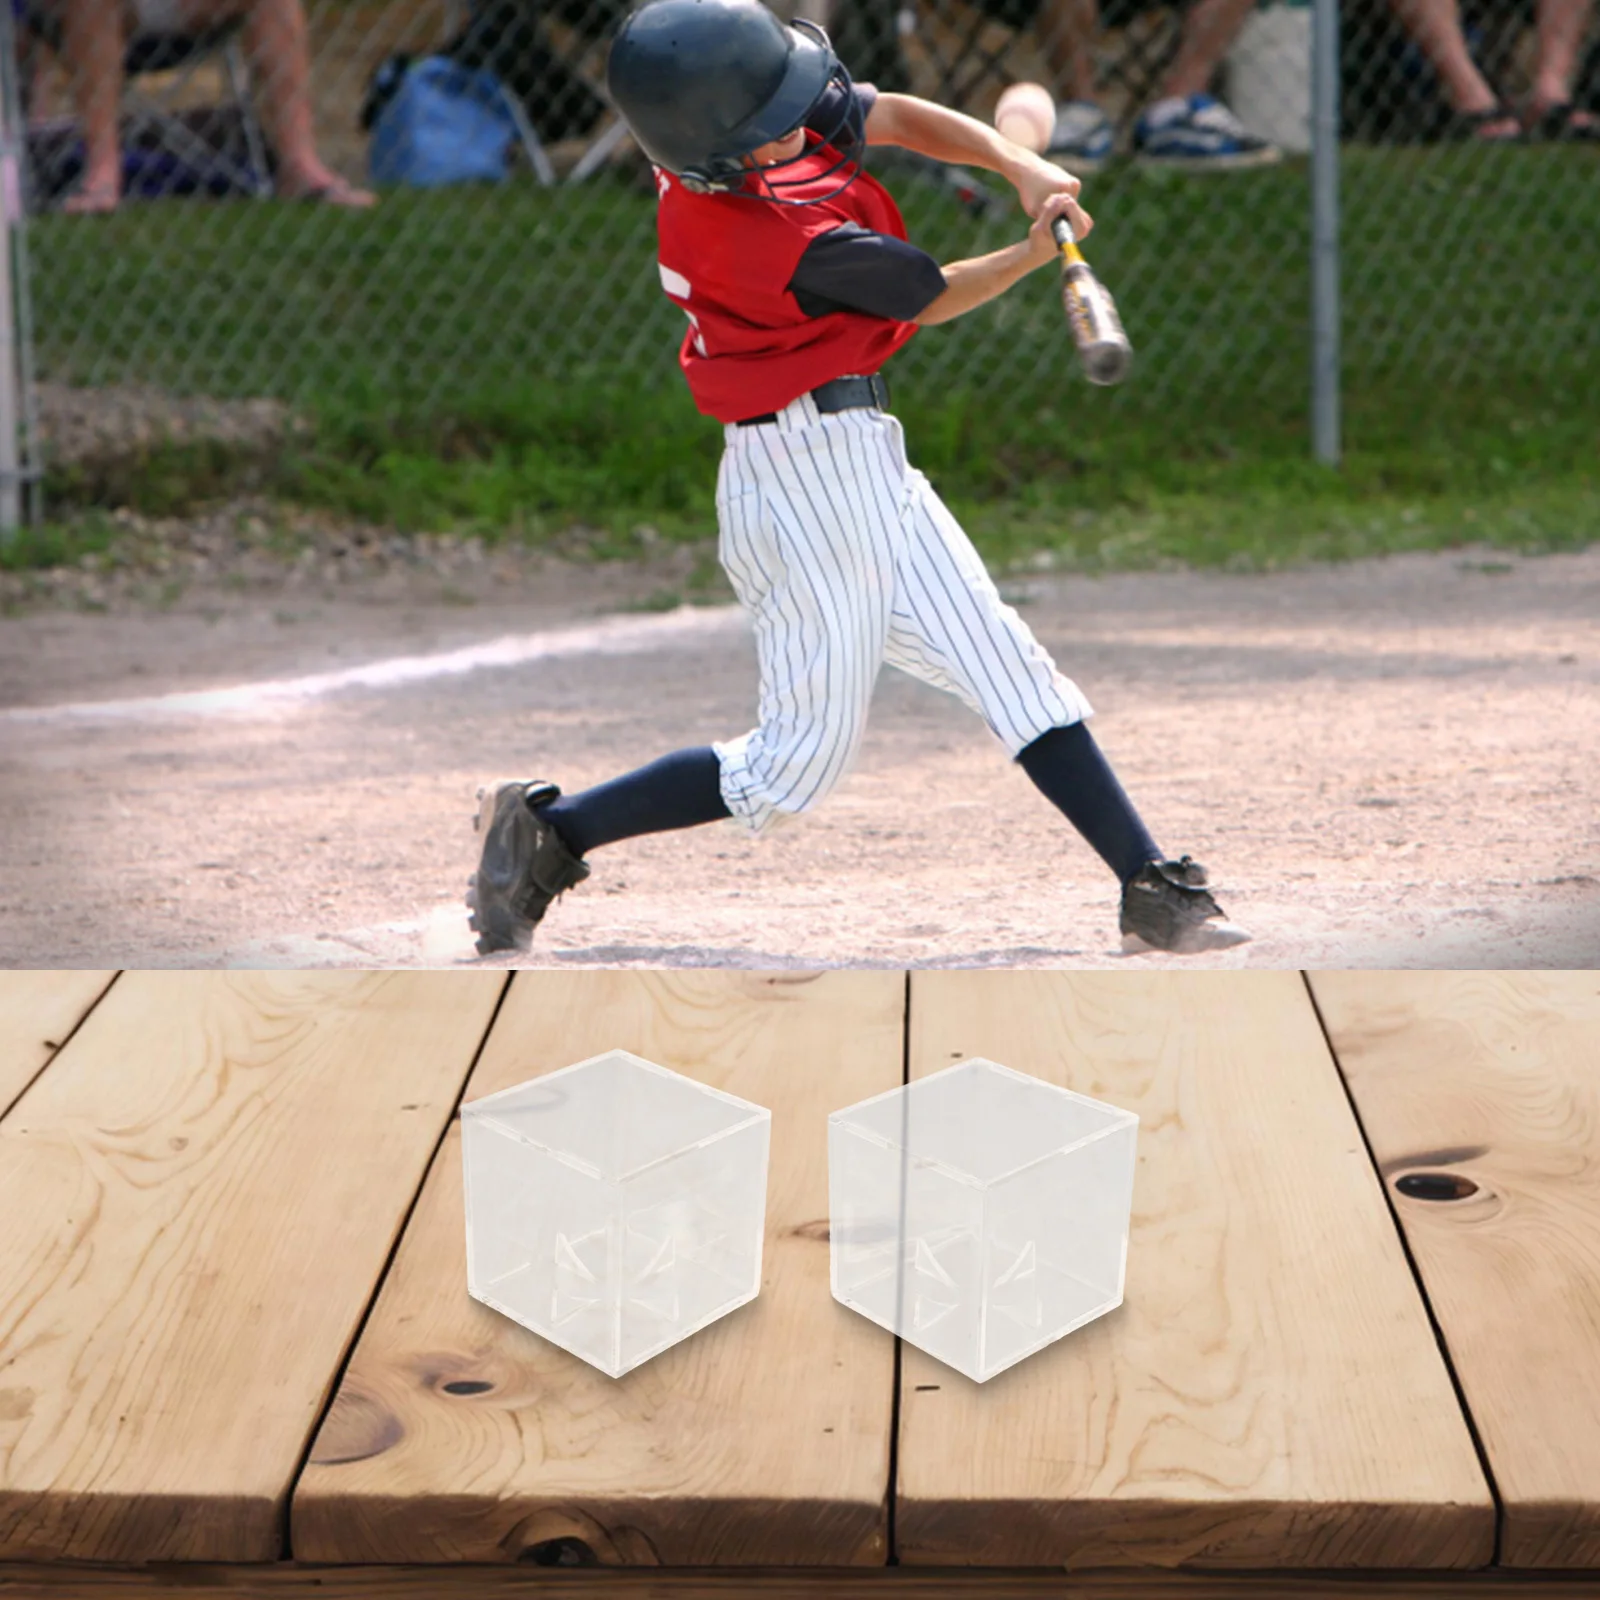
1490, 1083
764, 1438
200, 1194
38, 1011
1270, 1393
289, 1580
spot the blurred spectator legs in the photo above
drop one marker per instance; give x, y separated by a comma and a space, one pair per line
94, 41
1184, 125
1436, 27
279, 46
1067, 30
93, 46
1562, 24
1208, 29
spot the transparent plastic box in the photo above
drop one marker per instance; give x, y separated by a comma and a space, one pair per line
979, 1213
614, 1207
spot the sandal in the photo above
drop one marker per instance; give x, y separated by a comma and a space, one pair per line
1472, 125
1563, 123
336, 192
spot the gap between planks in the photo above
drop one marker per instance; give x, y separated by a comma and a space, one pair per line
288, 1580
1481, 1091
40, 1012
1270, 1395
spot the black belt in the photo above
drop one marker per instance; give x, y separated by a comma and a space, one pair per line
842, 394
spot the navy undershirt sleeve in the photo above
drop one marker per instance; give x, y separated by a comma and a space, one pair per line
851, 268
828, 114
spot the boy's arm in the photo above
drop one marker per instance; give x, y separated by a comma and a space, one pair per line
945, 135
969, 284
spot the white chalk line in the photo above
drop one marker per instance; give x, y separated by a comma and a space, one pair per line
615, 636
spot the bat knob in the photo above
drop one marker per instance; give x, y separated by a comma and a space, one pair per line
1107, 364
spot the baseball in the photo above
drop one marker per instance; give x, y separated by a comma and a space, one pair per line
1026, 115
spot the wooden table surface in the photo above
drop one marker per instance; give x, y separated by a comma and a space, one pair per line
1360, 1348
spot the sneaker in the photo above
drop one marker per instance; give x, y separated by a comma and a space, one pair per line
1199, 134
1168, 907
1083, 137
524, 865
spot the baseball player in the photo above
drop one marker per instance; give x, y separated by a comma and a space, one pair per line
792, 266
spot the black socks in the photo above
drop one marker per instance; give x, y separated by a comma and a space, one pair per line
684, 789
1072, 774
680, 790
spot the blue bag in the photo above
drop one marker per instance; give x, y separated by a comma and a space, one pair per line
443, 123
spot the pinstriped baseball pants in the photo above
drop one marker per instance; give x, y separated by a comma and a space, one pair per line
846, 558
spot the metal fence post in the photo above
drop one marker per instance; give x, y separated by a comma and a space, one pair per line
10, 366
1325, 231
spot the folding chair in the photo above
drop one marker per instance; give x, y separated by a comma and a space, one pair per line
170, 146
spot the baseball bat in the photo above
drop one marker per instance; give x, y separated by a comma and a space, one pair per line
1103, 347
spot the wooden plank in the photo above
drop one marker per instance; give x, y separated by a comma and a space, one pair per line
288, 1580
1270, 1393
38, 1011
764, 1438
1490, 1083
200, 1195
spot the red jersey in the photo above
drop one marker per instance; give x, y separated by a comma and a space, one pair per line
727, 259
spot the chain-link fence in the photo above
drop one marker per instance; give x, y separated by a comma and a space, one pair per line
1470, 198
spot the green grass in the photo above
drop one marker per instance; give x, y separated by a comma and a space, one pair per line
1097, 490
502, 362
57, 544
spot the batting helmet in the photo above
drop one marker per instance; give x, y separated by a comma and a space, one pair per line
702, 83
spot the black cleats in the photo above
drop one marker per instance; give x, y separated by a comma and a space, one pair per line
524, 865
1168, 907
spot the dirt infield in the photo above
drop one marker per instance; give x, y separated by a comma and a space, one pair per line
1389, 763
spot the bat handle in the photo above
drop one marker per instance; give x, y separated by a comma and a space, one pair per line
1066, 240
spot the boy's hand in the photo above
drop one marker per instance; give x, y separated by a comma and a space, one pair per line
1041, 242
1039, 179
969, 284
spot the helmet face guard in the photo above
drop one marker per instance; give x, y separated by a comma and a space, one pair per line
728, 171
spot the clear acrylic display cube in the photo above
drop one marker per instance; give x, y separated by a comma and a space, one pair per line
614, 1207
979, 1213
